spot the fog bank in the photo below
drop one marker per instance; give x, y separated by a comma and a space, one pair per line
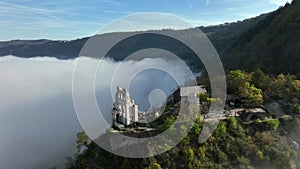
38, 124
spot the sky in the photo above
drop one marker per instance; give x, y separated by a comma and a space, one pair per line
67, 20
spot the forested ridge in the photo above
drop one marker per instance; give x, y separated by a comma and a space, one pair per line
272, 45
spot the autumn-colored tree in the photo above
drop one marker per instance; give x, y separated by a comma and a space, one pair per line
285, 87
239, 83
235, 79
250, 95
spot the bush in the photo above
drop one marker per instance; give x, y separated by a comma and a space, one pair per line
271, 124
154, 166
297, 109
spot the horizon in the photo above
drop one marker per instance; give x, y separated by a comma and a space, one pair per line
35, 20
159, 29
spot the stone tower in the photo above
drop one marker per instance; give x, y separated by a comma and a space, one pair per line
125, 111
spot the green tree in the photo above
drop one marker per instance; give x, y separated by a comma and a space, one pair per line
297, 109
259, 79
285, 87
232, 125
271, 124
239, 83
221, 129
296, 88
235, 79
243, 162
168, 122
82, 140
250, 95
203, 97
154, 166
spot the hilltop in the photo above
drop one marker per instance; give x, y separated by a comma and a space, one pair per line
220, 35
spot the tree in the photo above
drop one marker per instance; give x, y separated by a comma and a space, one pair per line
239, 83
82, 140
271, 124
297, 109
259, 79
203, 97
243, 162
235, 79
285, 87
154, 166
250, 95
296, 88
168, 122
221, 129
232, 125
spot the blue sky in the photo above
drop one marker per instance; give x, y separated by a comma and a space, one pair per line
71, 19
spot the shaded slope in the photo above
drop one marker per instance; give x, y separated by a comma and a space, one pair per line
272, 45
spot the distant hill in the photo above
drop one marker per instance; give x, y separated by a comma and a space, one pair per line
270, 42
33, 48
221, 36
272, 45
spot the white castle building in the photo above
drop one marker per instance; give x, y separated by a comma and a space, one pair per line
191, 90
125, 111
189, 98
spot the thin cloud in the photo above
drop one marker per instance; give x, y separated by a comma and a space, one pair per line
279, 2
85, 19
108, 11
21, 9
111, 2
207, 2
190, 4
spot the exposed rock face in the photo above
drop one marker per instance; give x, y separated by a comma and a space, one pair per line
295, 100
274, 108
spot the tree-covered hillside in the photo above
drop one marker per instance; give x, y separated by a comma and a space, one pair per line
233, 145
272, 45
269, 143
222, 36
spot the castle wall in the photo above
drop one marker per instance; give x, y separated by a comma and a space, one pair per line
128, 110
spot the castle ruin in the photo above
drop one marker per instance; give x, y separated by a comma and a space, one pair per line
125, 111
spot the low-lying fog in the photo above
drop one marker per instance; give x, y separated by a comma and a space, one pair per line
38, 123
